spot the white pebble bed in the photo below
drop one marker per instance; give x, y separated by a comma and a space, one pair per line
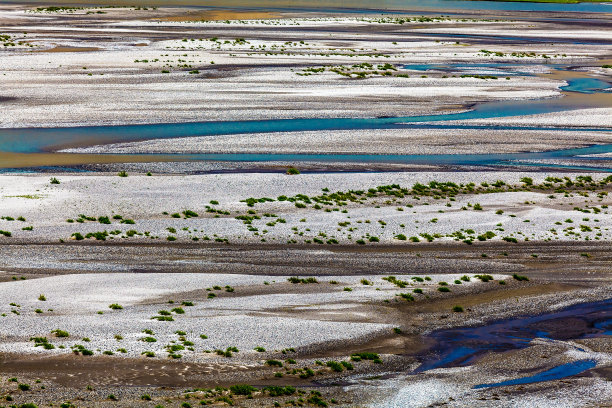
244, 322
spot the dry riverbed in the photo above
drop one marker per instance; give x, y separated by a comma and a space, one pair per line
202, 297
141, 282
153, 69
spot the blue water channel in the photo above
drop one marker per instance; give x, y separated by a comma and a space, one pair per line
555, 373
461, 346
37, 140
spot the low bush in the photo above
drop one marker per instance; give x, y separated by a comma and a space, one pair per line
335, 366
276, 391
60, 333
242, 389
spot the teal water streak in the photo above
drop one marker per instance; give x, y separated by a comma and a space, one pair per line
34, 140
37, 140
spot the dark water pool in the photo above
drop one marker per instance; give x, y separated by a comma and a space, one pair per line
462, 346
457, 347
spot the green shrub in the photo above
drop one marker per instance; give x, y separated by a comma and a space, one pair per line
276, 391
99, 235
296, 280
242, 389
347, 365
104, 220
60, 333
364, 356
335, 366
163, 318
316, 400
407, 296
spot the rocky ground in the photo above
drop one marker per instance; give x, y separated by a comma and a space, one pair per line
187, 301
